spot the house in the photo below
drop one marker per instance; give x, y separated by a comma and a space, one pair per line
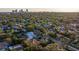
35, 42
3, 46
16, 47
30, 35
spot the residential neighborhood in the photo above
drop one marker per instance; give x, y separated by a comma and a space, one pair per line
39, 31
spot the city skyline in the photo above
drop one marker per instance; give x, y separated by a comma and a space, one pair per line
42, 9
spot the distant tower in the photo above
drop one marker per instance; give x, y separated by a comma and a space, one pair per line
21, 11
26, 10
15, 11
12, 11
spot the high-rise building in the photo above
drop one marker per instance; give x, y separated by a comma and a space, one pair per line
14, 11
26, 10
21, 11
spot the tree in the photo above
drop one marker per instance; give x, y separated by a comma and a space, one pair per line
52, 34
8, 39
31, 27
1, 30
54, 47
43, 30
31, 46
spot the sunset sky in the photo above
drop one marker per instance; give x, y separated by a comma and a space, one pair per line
42, 9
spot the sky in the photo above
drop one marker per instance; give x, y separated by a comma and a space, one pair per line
42, 9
